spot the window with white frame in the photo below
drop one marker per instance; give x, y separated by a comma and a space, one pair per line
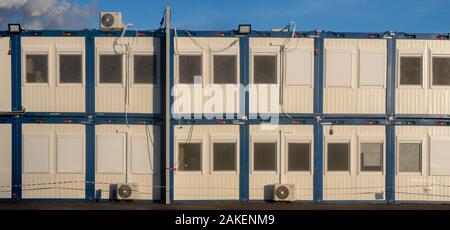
145, 67
189, 66
299, 156
265, 156
441, 71
190, 156
111, 68
371, 157
36, 68
70, 68
225, 69
338, 157
410, 157
265, 69
411, 70
224, 156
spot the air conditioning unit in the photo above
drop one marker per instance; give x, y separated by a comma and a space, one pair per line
126, 191
111, 21
283, 192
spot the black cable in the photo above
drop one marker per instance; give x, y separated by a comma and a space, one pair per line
161, 23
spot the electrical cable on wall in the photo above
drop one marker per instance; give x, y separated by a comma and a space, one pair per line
185, 146
283, 59
147, 134
126, 152
127, 52
226, 48
177, 52
280, 174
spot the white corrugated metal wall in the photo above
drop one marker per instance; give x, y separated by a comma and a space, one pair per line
206, 183
5, 75
354, 184
352, 84
53, 161
424, 98
209, 100
429, 183
128, 154
261, 182
110, 97
5, 161
52, 96
299, 77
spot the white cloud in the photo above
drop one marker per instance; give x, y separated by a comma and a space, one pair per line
46, 14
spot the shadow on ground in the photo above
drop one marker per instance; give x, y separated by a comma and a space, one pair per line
213, 206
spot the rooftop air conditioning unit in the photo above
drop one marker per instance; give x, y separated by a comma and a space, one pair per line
127, 191
284, 192
111, 21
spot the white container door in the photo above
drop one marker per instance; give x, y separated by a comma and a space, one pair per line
5, 161
5, 75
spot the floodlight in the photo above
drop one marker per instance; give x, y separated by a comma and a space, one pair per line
245, 29
14, 28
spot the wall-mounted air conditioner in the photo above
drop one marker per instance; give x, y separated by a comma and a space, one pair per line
283, 192
126, 191
111, 21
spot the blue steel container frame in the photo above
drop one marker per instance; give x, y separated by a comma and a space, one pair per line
16, 160
390, 110
244, 129
163, 130
90, 114
16, 73
91, 118
318, 113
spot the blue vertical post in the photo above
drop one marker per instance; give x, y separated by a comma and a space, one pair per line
90, 111
90, 162
16, 84
16, 72
244, 178
16, 159
318, 111
390, 111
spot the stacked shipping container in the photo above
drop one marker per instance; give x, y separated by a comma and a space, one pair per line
341, 116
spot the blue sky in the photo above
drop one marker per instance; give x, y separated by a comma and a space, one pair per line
333, 15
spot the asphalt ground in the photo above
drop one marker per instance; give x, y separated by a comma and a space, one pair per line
211, 206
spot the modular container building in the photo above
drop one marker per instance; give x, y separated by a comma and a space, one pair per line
79, 113
125, 81
342, 117
355, 76
422, 83
281, 154
280, 72
53, 75
207, 162
215, 61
